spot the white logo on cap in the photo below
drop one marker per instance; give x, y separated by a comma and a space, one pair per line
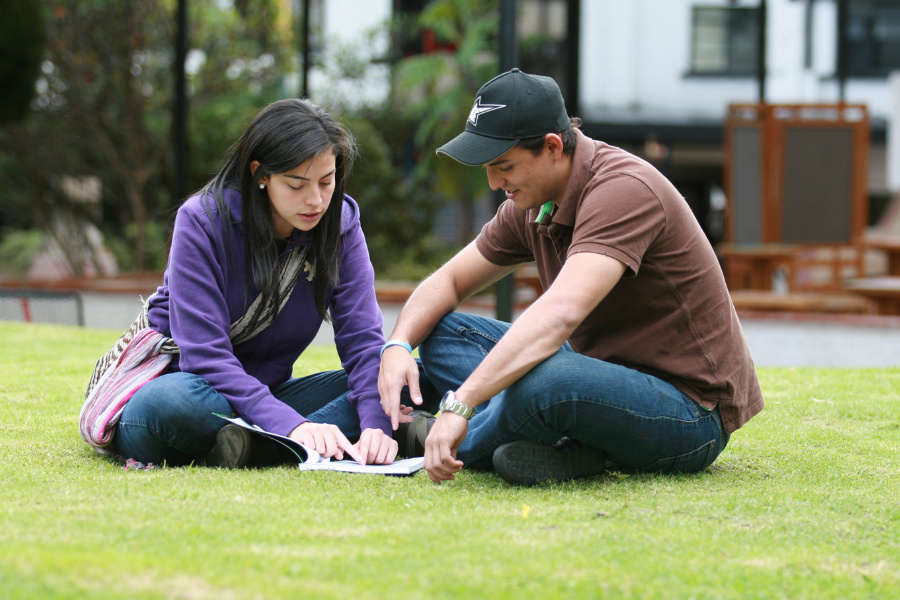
479, 109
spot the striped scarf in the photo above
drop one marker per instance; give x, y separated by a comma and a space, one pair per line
142, 354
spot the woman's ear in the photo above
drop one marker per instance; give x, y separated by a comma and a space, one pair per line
254, 165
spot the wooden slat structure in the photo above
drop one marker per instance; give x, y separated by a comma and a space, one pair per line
796, 179
796, 173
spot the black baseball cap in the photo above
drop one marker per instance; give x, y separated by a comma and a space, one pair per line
508, 108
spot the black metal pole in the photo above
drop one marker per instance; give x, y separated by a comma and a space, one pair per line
509, 58
573, 44
761, 51
842, 50
808, 35
304, 83
179, 118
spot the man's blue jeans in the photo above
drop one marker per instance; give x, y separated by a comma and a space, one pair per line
171, 418
639, 421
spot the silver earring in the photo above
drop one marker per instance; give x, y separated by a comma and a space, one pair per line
262, 186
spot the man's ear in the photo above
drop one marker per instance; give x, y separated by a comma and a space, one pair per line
553, 142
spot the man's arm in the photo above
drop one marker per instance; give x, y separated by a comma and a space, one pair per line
585, 279
439, 294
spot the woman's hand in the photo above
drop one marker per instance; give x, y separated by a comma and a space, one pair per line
325, 439
377, 447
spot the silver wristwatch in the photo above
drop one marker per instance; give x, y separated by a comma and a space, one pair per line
451, 404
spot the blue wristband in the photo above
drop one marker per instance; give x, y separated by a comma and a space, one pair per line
390, 343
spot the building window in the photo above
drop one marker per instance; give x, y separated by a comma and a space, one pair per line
544, 40
724, 40
872, 37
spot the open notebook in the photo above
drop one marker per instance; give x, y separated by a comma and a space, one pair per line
310, 460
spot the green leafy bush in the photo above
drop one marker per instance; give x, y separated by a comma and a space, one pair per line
17, 249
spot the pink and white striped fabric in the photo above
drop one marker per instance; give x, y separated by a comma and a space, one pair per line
142, 360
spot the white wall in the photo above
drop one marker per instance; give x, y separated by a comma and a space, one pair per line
635, 56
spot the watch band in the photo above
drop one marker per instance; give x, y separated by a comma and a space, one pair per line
451, 404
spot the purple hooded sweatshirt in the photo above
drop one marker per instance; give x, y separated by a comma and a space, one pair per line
203, 294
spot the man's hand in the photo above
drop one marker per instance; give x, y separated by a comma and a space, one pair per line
326, 439
447, 433
376, 447
398, 369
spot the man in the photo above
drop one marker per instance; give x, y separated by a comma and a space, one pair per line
634, 353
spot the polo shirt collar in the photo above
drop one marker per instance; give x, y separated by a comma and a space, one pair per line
578, 179
564, 215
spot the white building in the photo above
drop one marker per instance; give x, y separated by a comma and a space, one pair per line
656, 76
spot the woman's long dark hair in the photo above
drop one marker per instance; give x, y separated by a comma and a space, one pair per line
284, 135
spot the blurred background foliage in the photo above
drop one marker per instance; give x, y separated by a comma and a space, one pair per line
21, 49
442, 86
86, 127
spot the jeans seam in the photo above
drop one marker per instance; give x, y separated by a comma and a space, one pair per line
706, 449
469, 332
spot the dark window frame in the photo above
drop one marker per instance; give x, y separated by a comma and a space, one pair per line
872, 38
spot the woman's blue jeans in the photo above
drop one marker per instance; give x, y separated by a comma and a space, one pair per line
171, 418
639, 421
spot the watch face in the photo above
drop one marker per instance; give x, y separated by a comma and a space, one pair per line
447, 400
451, 404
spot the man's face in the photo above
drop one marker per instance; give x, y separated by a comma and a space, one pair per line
529, 180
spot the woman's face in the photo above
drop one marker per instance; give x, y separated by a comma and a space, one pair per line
300, 197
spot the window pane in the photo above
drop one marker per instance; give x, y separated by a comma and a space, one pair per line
724, 40
709, 40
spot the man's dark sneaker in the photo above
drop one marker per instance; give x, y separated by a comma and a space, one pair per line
236, 447
526, 463
411, 436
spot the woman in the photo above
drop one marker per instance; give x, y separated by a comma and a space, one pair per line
279, 194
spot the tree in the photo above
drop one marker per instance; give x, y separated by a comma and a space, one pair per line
104, 102
21, 45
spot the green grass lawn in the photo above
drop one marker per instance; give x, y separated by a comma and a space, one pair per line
802, 504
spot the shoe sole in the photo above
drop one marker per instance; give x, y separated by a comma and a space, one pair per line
528, 463
231, 448
412, 439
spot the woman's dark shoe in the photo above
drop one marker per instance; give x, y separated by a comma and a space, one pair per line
236, 447
411, 436
527, 463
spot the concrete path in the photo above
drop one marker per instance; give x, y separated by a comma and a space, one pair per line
788, 340
794, 341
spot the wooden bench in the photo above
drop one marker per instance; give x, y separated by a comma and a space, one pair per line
527, 277
812, 302
883, 292
890, 246
753, 266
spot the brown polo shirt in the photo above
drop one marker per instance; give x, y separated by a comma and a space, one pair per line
670, 315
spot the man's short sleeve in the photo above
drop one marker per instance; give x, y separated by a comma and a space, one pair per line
504, 240
618, 216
